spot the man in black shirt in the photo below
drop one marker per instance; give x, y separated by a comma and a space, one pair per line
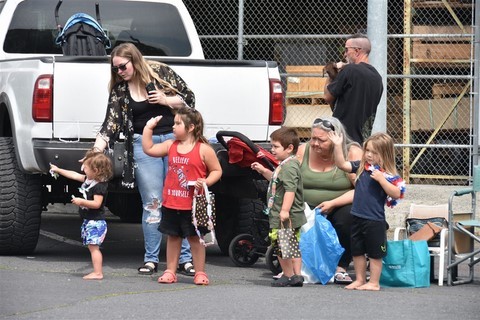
356, 91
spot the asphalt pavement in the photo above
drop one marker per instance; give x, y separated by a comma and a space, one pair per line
49, 285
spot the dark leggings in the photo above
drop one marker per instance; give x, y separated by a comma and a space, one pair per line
341, 220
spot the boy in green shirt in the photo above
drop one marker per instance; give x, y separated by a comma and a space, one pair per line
285, 200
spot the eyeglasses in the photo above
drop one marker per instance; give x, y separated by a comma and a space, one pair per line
325, 123
121, 67
346, 48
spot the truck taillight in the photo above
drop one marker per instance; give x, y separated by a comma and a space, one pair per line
276, 103
42, 106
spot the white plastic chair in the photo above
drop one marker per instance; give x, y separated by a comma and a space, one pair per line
420, 211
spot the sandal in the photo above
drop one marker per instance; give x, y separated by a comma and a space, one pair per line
186, 269
148, 268
167, 277
201, 279
342, 278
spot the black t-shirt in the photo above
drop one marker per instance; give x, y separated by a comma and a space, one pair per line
143, 111
100, 188
357, 89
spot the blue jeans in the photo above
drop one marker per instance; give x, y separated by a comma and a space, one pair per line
149, 175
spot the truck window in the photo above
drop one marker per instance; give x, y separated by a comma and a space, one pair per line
155, 28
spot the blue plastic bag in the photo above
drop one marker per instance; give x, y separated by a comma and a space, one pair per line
320, 250
407, 264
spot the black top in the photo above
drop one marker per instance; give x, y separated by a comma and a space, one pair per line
143, 111
357, 90
95, 214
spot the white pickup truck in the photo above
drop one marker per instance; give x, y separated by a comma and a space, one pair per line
51, 106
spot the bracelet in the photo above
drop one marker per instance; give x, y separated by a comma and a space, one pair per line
96, 149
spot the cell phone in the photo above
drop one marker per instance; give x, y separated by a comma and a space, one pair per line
150, 87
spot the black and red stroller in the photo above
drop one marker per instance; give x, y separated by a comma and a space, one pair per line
246, 248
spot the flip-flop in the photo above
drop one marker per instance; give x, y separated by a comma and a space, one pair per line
342, 278
201, 279
186, 269
148, 268
167, 277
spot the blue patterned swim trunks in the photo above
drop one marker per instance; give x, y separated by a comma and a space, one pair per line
93, 231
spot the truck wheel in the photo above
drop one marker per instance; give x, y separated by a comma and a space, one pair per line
227, 211
20, 204
126, 206
249, 209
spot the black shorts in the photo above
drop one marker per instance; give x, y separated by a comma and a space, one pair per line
177, 223
369, 237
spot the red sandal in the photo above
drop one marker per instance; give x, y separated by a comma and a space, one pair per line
201, 279
167, 277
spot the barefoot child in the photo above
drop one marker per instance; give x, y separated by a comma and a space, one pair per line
285, 199
190, 158
98, 170
377, 183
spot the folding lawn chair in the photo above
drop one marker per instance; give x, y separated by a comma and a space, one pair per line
464, 228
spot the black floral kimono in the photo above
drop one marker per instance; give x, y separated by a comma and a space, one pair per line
119, 116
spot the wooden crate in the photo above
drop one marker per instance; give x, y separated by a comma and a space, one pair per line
451, 29
432, 4
310, 89
447, 90
441, 51
448, 48
427, 114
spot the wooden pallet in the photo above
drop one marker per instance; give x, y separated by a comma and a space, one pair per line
447, 90
428, 114
309, 88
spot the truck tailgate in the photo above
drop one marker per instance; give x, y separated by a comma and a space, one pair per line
80, 97
230, 95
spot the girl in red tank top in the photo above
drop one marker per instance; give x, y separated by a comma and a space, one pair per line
191, 162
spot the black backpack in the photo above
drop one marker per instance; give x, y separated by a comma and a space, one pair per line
83, 36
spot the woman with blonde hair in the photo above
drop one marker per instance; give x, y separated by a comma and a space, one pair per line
327, 187
130, 105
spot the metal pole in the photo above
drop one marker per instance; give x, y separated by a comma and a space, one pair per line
476, 84
240, 29
377, 33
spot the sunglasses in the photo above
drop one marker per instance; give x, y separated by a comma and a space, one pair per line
327, 124
121, 67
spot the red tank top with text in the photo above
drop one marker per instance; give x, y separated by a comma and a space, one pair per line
182, 168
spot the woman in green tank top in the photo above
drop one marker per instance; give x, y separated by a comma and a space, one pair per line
327, 187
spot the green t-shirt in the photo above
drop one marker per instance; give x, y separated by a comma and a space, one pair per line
288, 179
322, 186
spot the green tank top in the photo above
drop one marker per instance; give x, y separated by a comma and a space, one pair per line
322, 186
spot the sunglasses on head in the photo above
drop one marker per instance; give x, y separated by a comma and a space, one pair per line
327, 124
121, 67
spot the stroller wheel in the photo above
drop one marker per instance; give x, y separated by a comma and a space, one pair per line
272, 260
242, 250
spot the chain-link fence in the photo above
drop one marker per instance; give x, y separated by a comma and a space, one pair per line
429, 70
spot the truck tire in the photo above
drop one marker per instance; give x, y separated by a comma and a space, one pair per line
126, 206
20, 204
249, 209
226, 215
